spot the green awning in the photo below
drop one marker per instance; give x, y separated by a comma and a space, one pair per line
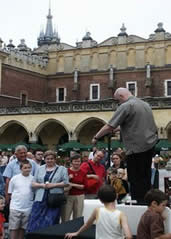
72, 145
163, 145
37, 147
8, 147
2, 147
101, 145
20, 143
28, 146
115, 144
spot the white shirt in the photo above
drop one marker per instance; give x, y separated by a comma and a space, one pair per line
91, 155
108, 224
22, 194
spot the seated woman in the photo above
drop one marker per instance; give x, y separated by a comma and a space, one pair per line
42, 215
118, 162
78, 183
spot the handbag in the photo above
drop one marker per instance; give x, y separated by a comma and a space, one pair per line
55, 200
91, 182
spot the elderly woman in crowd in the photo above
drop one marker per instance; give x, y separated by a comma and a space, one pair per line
50, 178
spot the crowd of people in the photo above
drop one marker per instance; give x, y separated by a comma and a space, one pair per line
29, 177
27, 182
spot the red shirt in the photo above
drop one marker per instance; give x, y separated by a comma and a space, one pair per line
99, 170
2, 220
79, 177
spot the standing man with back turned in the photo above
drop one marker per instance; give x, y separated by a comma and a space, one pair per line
139, 134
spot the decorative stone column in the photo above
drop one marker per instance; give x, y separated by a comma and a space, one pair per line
111, 83
75, 80
72, 135
32, 138
148, 80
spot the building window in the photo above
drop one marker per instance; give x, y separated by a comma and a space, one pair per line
132, 87
167, 88
94, 91
23, 99
60, 94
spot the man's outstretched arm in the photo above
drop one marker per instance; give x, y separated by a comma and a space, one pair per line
106, 129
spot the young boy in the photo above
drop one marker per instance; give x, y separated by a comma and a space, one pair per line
110, 222
21, 201
151, 223
2, 218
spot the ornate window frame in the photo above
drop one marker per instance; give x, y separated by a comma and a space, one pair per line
132, 82
91, 91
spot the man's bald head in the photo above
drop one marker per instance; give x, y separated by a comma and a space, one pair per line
122, 94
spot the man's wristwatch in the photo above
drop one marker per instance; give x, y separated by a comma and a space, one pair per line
95, 138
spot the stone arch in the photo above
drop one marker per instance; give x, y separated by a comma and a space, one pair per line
13, 132
168, 131
51, 132
88, 128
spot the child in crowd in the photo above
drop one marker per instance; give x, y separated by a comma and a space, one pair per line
151, 224
108, 173
116, 182
121, 175
21, 194
2, 218
110, 222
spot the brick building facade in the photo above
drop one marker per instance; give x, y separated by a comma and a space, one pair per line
58, 73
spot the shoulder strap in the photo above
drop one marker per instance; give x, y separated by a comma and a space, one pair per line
91, 167
50, 180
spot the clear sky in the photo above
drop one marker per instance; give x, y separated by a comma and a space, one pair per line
103, 18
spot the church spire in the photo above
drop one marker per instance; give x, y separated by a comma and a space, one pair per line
50, 36
49, 26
